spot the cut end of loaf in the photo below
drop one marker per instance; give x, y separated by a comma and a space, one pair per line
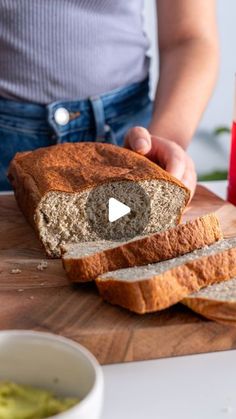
62, 218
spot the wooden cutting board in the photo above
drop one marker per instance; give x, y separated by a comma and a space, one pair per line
43, 300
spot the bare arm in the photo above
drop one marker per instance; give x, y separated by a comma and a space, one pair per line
188, 48
189, 55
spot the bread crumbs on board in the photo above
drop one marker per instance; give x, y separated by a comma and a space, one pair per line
16, 271
42, 265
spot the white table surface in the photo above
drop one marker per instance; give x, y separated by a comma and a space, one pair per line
187, 387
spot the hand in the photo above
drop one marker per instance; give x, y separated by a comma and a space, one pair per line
167, 154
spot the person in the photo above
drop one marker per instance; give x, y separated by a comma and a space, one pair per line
77, 70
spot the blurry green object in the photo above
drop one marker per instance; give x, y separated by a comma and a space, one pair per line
216, 175
222, 130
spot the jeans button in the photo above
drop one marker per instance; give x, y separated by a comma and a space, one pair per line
62, 116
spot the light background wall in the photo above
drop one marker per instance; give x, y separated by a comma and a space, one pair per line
208, 152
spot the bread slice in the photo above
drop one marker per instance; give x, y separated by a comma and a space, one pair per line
85, 262
160, 285
216, 302
52, 186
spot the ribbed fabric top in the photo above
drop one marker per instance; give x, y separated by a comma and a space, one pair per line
70, 49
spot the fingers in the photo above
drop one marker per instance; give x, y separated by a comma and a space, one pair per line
169, 155
190, 176
176, 165
139, 140
172, 156
175, 161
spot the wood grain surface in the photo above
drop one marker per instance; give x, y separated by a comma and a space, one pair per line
43, 300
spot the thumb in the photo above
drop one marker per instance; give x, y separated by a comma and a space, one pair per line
139, 140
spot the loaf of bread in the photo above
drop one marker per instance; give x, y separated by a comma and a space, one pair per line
157, 286
216, 302
85, 262
52, 186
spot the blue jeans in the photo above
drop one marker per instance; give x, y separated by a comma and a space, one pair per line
26, 126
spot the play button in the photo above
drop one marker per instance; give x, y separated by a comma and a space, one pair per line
116, 210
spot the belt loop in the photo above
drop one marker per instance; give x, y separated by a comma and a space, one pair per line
99, 117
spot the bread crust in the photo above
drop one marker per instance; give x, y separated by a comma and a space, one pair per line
219, 311
169, 244
217, 303
75, 167
162, 291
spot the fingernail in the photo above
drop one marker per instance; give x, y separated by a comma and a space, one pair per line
141, 145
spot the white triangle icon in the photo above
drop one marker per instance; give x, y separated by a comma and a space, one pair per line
116, 210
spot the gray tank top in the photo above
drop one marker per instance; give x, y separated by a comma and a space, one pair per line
70, 49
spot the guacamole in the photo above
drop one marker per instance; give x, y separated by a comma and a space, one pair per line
26, 402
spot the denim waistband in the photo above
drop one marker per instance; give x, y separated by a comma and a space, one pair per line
36, 111
97, 112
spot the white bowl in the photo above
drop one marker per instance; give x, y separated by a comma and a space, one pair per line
54, 363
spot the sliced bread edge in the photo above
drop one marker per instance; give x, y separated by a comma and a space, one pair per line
156, 288
216, 302
182, 239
